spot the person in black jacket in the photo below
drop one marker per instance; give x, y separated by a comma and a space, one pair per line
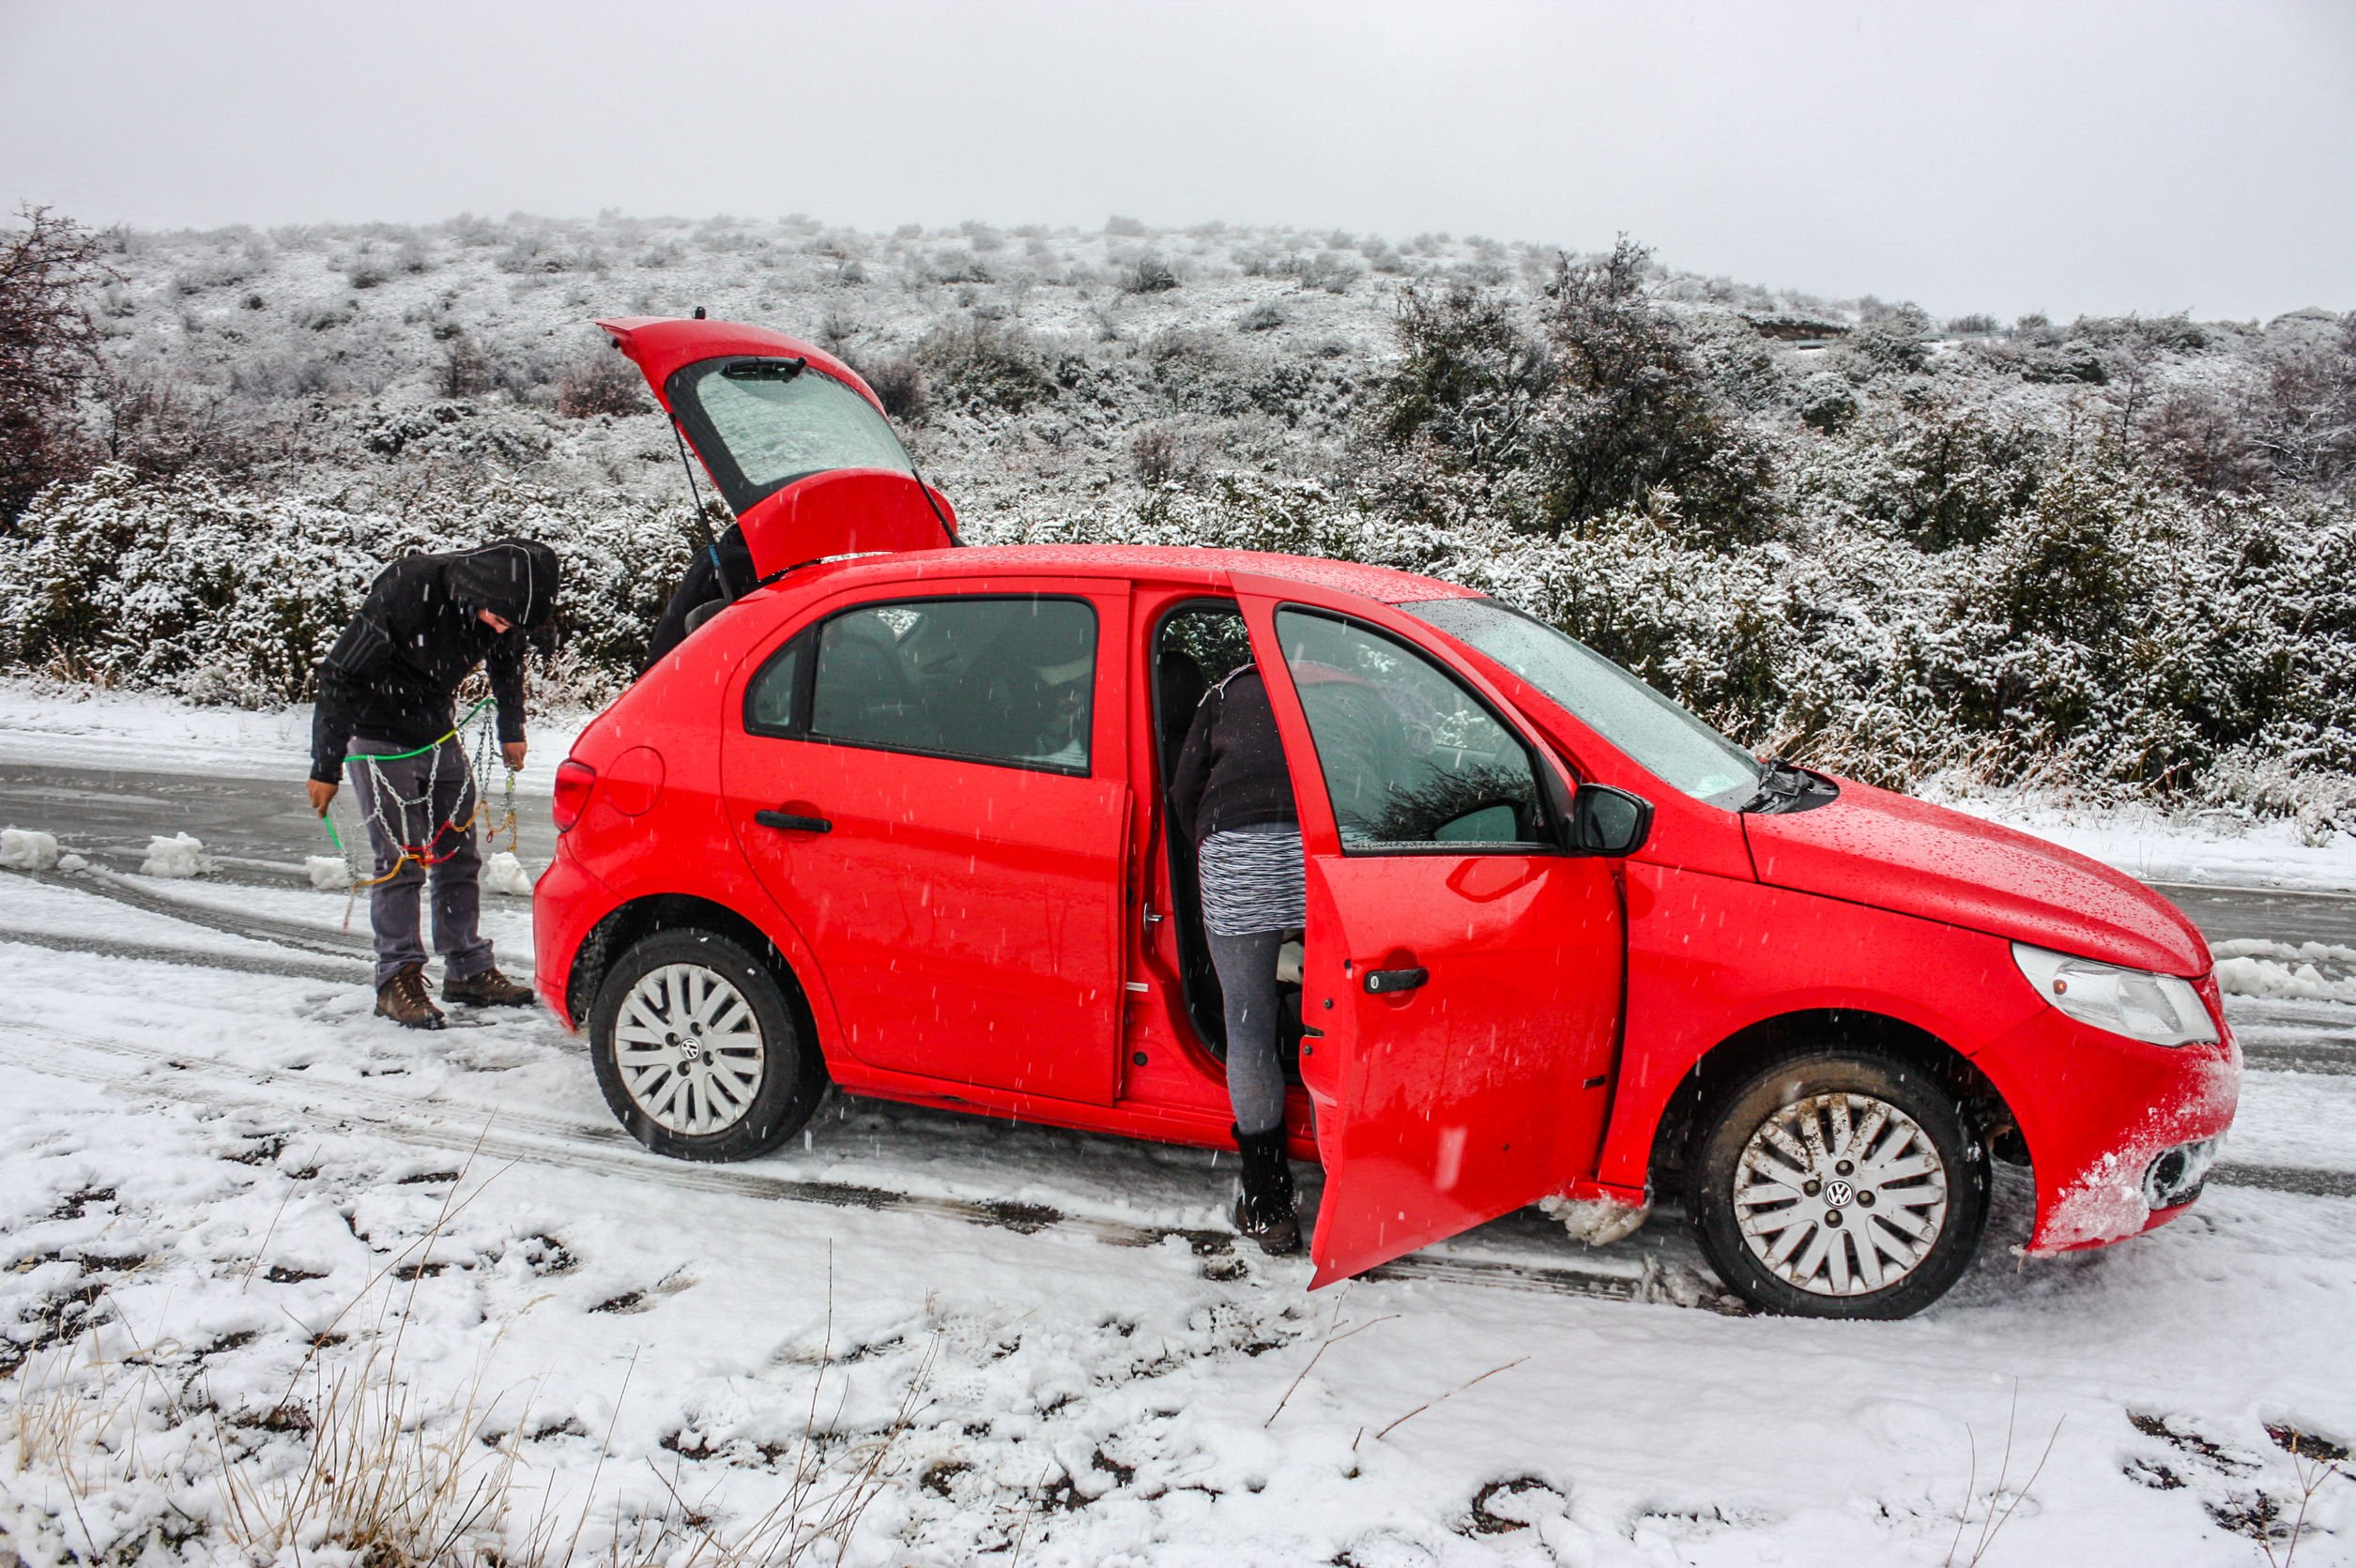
715, 575
387, 695
1232, 796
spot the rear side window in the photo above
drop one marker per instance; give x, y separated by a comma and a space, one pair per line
996, 680
774, 700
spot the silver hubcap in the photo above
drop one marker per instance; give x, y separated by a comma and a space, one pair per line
1841, 1194
689, 1050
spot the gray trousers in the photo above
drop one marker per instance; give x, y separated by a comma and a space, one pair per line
1247, 980
407, 803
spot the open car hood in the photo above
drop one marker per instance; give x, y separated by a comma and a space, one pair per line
1892, 852
804, 457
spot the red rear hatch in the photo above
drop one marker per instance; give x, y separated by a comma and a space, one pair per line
795, 442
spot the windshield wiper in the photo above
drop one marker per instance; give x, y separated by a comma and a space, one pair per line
765, 370
1780, 787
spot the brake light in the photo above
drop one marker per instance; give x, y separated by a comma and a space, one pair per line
575, 780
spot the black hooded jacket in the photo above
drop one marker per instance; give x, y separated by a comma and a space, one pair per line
730, 555
393, 674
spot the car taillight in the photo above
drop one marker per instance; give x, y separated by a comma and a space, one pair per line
575, 780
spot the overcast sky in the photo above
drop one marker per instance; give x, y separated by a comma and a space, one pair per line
2068, 157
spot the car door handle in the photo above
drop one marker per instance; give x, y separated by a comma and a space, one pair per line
786, 822
1382, 983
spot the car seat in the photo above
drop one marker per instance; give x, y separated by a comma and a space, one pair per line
861, 694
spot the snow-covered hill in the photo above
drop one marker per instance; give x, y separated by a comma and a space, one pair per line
2113, 556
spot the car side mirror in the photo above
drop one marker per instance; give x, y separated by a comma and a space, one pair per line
1608, 821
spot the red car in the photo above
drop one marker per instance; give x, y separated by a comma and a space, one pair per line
895, 821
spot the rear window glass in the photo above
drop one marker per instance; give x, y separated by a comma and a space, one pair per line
763, 424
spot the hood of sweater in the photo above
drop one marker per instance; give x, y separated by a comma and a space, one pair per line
515, 579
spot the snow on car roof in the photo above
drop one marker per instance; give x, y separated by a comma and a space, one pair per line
1179, 562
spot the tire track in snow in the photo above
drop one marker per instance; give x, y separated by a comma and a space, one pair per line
2328, 1055
552, 1141
329, 946
344, 971
2325, 1056
300, 935
2305, 1181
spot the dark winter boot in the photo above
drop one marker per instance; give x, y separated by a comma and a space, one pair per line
488, 989
1263, 1209
403, 1000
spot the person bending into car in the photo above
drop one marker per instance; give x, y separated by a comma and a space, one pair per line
713, 576
1232, 796
386, 692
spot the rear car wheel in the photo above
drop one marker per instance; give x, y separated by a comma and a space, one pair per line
1840, 1184
697, 1049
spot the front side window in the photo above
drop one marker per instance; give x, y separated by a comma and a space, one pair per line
1664, 740
997, 680
1412, 758
764, 423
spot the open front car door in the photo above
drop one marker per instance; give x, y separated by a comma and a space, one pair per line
1464, 980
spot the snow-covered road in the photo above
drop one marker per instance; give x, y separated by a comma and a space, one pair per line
226, 1184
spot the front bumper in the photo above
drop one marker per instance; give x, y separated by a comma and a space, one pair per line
2122, 1133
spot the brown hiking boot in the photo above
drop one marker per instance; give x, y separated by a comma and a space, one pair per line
403, 1000
488, 989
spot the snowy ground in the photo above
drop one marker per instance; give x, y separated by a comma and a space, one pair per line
246, 1229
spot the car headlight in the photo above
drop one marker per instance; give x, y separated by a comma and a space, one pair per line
2160, 1009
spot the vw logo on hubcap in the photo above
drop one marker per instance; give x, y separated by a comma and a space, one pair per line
1838, 1193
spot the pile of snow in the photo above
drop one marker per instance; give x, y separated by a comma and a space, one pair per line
504, 874
181, 855
2308, 971
328, 873
26, 849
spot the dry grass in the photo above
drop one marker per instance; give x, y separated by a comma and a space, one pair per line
2312, 1470
1992, 1519
359, 1460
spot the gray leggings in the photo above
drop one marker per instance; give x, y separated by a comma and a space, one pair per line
1247, 977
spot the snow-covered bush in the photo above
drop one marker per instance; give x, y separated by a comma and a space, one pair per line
981, 364
601, 384
224, 596
2115, 555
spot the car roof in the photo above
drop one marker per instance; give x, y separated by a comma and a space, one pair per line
1182, 564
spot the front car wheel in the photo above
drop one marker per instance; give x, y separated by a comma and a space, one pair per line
1841, 1184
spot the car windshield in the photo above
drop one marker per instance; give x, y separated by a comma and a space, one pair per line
765, 423
1667, 741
